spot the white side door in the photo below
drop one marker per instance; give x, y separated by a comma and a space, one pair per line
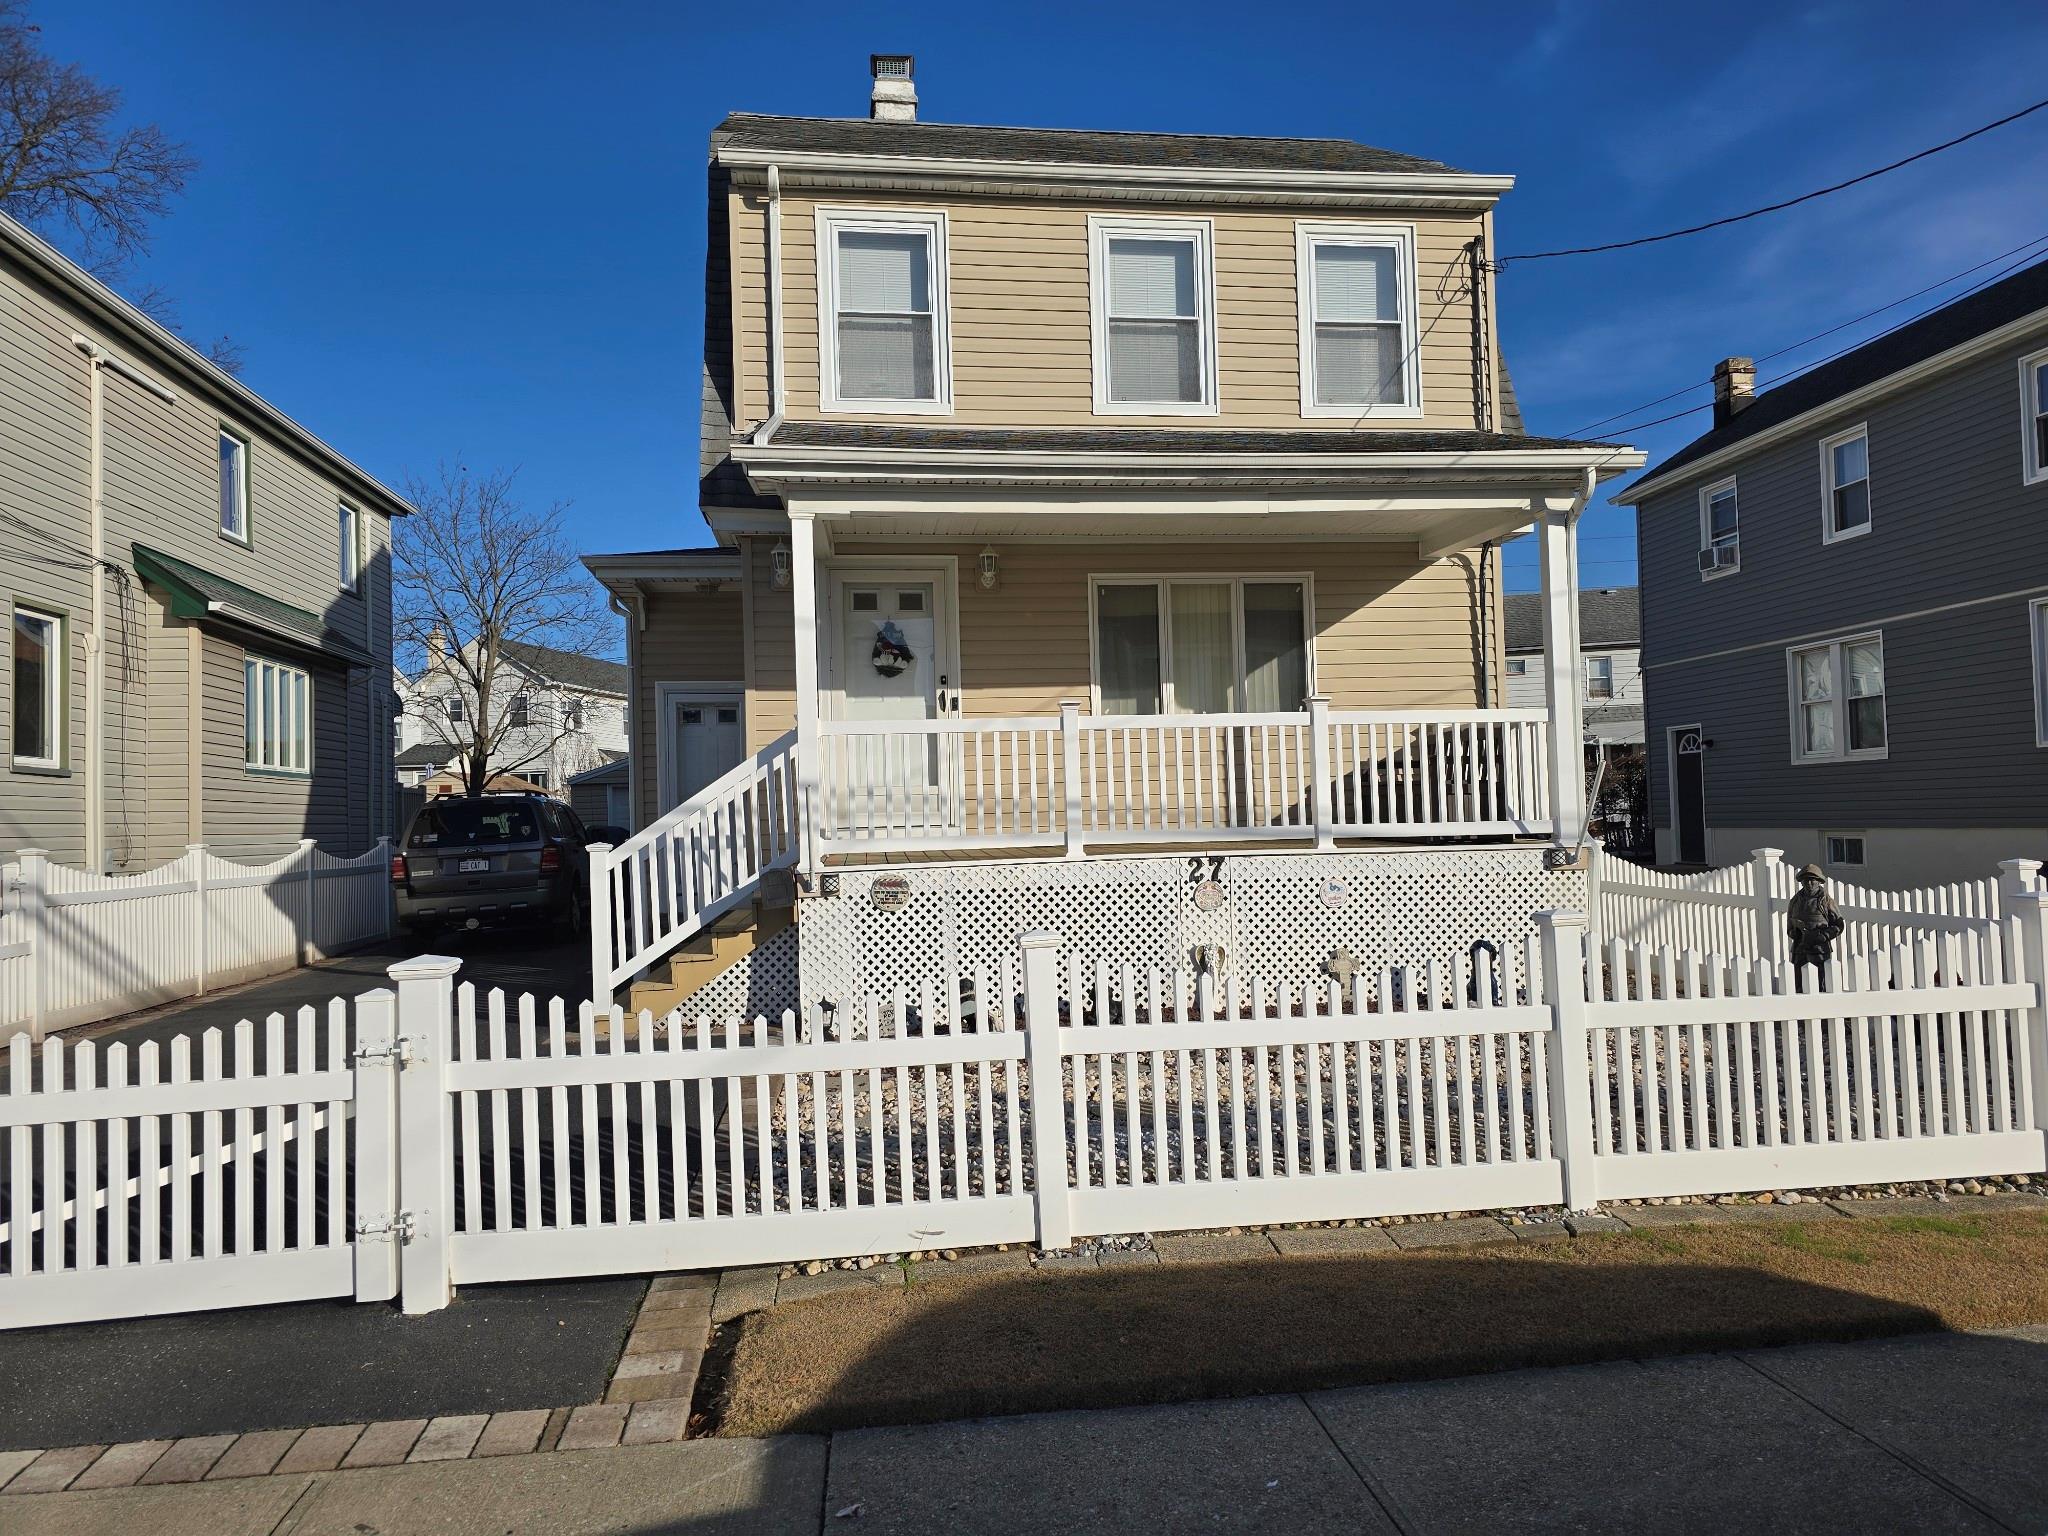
704, 735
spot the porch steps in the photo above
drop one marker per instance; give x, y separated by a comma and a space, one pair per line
704, 956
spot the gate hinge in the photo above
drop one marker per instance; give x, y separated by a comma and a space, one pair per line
397, 1227
398, 1050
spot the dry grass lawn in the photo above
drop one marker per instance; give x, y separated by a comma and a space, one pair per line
966, 1345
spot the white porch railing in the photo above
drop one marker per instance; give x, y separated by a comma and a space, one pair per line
1073, 781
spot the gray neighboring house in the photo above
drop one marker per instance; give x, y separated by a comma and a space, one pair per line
1845, 598
1609, 669
198, 594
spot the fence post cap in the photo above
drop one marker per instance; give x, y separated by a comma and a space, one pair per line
32, 853
2022, 871
1038, 938
1767, 854
424, 968
1559, 917
1070, 706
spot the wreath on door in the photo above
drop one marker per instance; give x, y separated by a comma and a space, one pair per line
892, 652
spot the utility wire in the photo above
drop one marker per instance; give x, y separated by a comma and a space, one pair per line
1790, 202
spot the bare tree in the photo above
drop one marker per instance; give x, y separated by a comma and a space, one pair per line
474, 570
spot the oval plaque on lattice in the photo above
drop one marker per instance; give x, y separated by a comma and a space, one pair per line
889, 893
1210, 896
1335, 893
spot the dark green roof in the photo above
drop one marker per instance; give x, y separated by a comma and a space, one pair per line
197, 593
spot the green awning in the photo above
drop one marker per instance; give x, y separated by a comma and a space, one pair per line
201, 595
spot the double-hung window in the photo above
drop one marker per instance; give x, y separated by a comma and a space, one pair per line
1845, 473
1720, 530
351, 522
1599, 677
882, 333
1201, 645
454, 705
521, 713
1356, 303
2034, 415
277, 718
1152, 283
38, 702
234, 486
1838, 700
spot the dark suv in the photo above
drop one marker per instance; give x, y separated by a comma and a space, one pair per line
471, 860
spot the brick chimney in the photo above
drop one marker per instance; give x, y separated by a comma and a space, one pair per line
1734, 388
894, 97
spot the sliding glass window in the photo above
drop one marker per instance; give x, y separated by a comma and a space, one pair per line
1201, 646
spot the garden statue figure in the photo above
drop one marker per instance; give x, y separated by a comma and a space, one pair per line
1812, 920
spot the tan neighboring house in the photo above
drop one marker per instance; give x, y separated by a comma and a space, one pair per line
1081, 496
198, 592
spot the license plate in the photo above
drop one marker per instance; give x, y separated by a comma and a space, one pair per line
472, 866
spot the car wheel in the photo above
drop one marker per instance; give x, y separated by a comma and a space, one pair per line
578, 919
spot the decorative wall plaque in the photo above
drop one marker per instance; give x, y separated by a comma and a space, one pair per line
889, 893
1210, 897
1335, 893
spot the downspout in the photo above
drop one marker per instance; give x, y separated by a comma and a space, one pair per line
1486, 699
99, 359
1579, 502
634, 766
776, 386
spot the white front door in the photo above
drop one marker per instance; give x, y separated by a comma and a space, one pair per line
891, 660
706, 737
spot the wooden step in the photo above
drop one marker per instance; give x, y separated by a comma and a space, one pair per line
705, 956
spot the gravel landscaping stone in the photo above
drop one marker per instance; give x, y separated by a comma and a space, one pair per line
1464, 1233
1311, 1242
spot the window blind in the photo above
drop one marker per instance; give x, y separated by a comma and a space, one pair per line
884, 329
1359, 357
1154, 334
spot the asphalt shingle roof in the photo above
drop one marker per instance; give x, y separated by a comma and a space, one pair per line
230, 601
1608, 616
965, 141
571, 668
848, 434
425, 754
1950, 326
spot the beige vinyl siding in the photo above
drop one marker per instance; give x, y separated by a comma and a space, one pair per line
771, 675
691, 637
1019, 302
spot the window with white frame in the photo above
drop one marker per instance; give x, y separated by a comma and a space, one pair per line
1844, 850
1845, 472
277, 716
882, 334
37, 705
1720, 529
1201, 644
1356, 302
2034, 414
454, 705
2037, 617
351, 522
1518, 666
1152, 284
1599, 677
1838, 699
521, 713
234, 486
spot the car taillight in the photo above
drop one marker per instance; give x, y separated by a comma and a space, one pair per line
398, 869
550, 859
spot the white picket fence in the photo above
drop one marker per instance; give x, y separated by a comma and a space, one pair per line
77, 947
459, 1140
1739, 909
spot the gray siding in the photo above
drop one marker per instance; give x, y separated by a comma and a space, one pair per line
1953, 527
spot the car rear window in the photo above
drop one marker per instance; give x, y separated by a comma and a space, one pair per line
471, 821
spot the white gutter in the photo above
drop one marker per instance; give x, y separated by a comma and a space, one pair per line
98, 360
1614, 460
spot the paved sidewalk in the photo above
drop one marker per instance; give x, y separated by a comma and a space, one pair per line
1937, 1432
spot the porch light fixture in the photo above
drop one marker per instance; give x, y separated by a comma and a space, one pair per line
780, 556
985, 563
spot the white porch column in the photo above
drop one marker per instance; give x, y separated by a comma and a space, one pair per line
803, 586
1558, 536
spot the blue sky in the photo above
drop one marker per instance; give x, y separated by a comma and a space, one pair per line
474, 232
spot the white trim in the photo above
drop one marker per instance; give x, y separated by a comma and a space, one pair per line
1828, 862
2032, 411
942, 571
271, 680
2037, 629
1236, 582
1829, 533
56, 686
1839, 697
1586, 677
1400, 238
666, 697
352, 545
1706, 498
245, 536
1201, 234
931, 224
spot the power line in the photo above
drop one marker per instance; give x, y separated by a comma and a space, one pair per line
1869, 314
1790, 202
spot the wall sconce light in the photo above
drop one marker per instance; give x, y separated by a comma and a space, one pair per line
985, 563
780, 556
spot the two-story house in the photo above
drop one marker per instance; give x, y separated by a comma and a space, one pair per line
556, 714
1609, 666
1845, 599
1085, 501
198, 594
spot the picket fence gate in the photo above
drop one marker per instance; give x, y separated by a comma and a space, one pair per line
428, 1137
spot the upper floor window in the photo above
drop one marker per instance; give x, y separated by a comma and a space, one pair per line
276, 716
1357, 310
521, 713
2034, 414
351, 546
234, 486
882, 333
38, 703
1720, 530
1152, 284
1599, 677
572, 715
1838, 699
1845, 471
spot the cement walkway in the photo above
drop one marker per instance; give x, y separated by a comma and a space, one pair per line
1936, 1432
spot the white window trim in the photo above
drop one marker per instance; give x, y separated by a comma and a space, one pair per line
246, 538
352, 551
1159, 580
1401, 238
1101, 229
55, 714
1861, 837
1842, 753
1586, 679
891, 221
1707, 495
253, 664
1518, 666
2037, 633
1828, 445
2034, 473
